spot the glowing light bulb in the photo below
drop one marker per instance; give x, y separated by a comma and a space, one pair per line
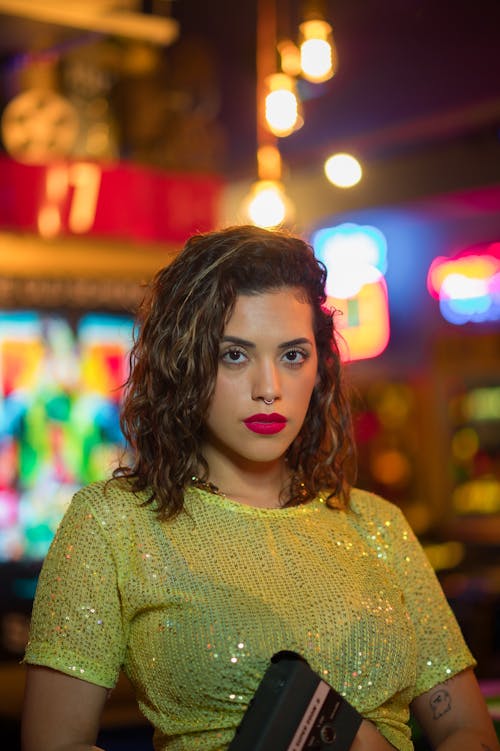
343, 170
290, 57
269, 162
267, 208
316, 51
267, 205
282, 106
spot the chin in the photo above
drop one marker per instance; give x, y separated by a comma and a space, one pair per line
271, 452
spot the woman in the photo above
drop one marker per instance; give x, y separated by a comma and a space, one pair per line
233, 532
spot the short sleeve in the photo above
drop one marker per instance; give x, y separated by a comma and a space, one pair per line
76, 624
441, 648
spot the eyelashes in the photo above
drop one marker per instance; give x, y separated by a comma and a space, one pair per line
294, 357
299, 356
233, 356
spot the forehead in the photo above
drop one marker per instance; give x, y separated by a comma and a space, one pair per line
273, 312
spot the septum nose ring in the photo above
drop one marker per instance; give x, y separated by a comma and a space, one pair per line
268, 401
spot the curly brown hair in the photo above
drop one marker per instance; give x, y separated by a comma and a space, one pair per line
174, 361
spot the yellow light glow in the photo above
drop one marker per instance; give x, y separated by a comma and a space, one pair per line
267, 205
343, 170
445, 555
465, 444
269, 162
86, 179
49, 221
281, 112
393, 404
483, 404
316, 51
363, 327
391, 467
24, 356
267, 209
282, 107
56, 182
316, 56
290, 57
420, 517
481, 496
39, 126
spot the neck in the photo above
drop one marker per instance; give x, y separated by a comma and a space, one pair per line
258, 485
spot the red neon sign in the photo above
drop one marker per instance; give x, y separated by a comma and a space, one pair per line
120, 201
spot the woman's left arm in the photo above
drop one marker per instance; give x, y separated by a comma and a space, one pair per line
454, 716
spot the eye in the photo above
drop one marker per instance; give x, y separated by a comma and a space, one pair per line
295, 356
233, 356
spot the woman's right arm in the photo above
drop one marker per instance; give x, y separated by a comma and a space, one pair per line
60, 713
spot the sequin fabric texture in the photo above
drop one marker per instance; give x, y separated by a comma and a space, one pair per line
193, 609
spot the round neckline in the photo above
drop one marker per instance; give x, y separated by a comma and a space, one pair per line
224, 501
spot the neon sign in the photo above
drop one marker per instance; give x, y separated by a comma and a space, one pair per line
467, 285
113, 200
356, 260
60, 391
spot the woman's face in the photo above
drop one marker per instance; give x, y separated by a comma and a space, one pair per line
268, 352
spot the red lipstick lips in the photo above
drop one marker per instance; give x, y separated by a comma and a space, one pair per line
266, 424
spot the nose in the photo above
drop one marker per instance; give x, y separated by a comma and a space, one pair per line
267, 382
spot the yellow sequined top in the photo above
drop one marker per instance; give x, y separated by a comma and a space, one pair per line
193, 609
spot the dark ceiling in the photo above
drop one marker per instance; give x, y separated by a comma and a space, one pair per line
411, 73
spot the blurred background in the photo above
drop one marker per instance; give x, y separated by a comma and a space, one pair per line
126, 126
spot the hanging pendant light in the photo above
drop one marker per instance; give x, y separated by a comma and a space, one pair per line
267, 204
283, 109
317, 53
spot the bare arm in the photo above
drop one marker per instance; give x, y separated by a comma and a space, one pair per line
454, 716
368, 738
60, 713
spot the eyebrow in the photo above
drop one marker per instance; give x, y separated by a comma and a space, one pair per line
283, 345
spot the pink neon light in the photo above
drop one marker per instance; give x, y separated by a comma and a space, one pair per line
467, 284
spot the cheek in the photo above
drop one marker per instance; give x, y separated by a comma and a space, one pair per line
226, 386
302, 392
224, 396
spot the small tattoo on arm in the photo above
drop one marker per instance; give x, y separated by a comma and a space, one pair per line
440, 703
485, 747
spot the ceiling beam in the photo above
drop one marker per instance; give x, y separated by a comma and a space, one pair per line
101, 19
